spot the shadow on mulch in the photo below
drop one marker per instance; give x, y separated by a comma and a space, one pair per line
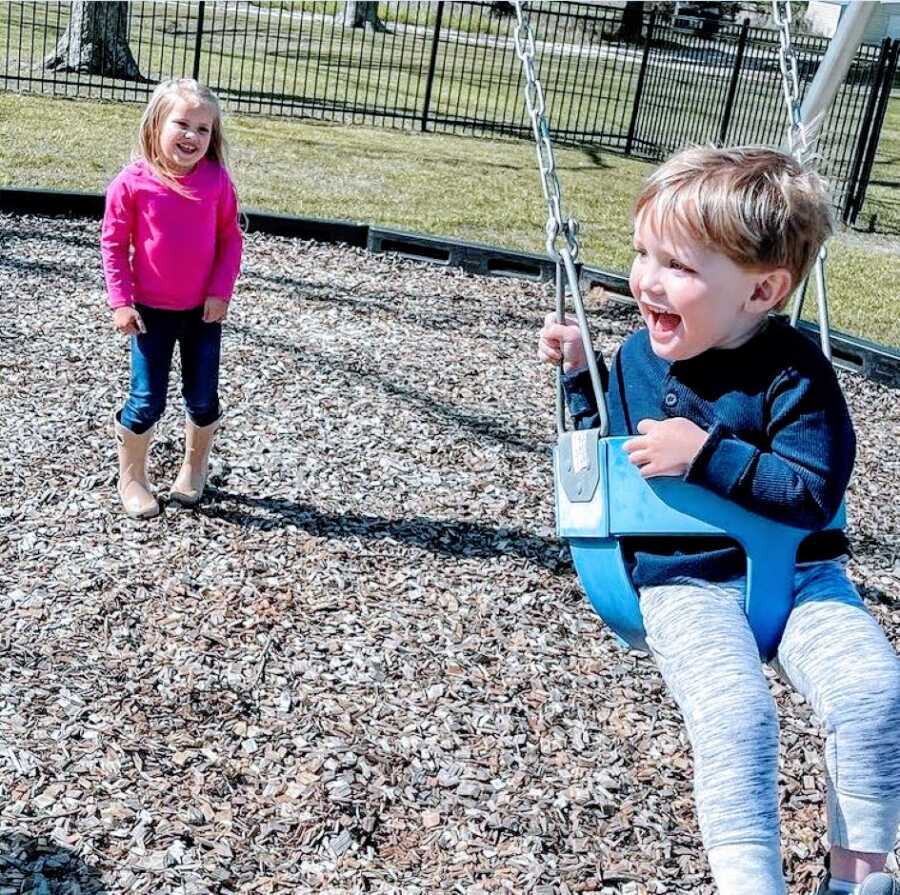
874, 595
445, 537
355, 370
38, 866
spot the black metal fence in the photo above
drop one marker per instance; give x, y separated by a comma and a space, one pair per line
451, 66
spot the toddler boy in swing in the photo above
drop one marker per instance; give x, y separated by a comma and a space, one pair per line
715, 391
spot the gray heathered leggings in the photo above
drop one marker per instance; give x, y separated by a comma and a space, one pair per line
834, 653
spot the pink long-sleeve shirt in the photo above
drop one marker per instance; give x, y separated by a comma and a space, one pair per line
170, 251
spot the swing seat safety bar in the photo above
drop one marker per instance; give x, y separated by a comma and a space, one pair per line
615, 502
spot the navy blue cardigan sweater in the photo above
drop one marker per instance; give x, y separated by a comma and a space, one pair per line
780, 438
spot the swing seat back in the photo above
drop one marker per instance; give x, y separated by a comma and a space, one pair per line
602, 498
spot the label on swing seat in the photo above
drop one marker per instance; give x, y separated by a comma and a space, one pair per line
580, 460
579, 467
580, 477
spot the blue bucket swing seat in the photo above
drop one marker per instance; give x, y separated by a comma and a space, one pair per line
601, 499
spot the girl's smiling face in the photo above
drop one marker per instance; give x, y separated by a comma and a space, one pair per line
693, 298
185, 134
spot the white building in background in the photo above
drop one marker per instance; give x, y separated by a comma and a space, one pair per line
823, 17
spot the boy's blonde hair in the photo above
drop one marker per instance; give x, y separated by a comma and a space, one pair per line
158, 108
756, 205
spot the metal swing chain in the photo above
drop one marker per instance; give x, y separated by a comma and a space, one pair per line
798, 139
534, 102
566, 254
801, 149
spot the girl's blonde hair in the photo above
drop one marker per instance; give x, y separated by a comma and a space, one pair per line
756, 205
148, 148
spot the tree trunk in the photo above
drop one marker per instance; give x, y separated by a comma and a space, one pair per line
632, 25
501, 9
362, 15
96, 42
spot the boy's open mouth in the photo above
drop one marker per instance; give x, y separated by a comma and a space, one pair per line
661, 321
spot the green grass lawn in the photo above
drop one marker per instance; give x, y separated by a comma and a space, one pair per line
462, 187
285, 58
266, 57
883, 196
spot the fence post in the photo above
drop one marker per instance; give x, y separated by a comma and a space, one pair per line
865, 127
432, 64
892, 51
629, 140
732, 87
201, 9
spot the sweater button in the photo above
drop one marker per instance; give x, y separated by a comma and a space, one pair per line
671, 399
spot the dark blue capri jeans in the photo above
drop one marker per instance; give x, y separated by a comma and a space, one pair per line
199, 344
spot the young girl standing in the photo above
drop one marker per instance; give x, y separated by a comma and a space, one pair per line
171, 247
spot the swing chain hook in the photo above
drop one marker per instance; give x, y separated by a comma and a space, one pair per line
798, 139
557, 225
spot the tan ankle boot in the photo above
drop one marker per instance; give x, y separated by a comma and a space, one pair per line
187, 488
134, 489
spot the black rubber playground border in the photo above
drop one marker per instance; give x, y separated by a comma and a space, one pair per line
877, 363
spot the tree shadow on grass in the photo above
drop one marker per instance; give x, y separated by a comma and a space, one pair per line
594, 154
37, 865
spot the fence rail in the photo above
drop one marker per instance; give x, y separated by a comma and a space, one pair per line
451, 67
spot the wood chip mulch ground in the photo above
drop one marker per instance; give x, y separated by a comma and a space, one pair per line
364, 664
